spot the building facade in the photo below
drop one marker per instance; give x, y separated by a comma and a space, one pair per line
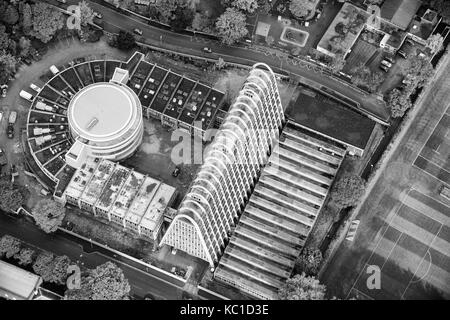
217, 196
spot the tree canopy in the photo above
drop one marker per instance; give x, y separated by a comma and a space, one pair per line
398, 102
25, 256
436, 43
9, 246
46, 21
86, 13
51, 268
309, 261
11, 197
299, 8
348, 190
363, 76
125, 40
106, 282
231, 26
48, 215
249, 6
302, 287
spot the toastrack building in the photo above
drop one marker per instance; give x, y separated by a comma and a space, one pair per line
211, 208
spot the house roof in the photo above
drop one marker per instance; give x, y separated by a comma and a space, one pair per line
400, 12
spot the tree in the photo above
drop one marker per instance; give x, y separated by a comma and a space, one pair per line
11, 197
435, 43
25, 46
27, 18
249, 6
270, 40
25, 256
348, 190
337, 63
182, 18
59, 269
43, 265
50, 268
86, 13
9, 14
106, 282
220, 63
398, 102
4, 37
231, 26
202, 23
125, 40
363, 76
420, 70
302, 287
9, 246
48, 215
299, 8
309, 261
46, 21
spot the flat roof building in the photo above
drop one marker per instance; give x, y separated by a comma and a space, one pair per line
17, 283
105, 119
126, 197
280, 214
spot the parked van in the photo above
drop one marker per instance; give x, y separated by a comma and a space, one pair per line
54, 69
26, 95
35, 87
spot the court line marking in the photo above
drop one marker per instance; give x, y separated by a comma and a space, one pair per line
429, 174
432, 131
434, 163
401, 233
421, 261
387, 224
437, 200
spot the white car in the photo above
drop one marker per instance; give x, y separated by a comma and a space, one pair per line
98, 15
1, 116
35, 87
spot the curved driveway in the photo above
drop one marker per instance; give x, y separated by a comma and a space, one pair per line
113, 21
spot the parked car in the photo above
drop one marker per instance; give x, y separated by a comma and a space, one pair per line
27, 61
98, 15
176, 172
384, 68
174, 250
206, 49
4, 90
402, 54
35, 87
1, 116
62, 1
386, 63
3, 159
10, 131
390, 59
138, 31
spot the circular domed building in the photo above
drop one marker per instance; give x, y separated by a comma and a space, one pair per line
105, 120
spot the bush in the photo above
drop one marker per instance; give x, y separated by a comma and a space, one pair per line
348, 190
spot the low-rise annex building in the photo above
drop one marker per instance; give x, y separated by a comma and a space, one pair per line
123, 196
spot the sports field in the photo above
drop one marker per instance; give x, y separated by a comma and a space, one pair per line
411, 249
404, 225
434, 157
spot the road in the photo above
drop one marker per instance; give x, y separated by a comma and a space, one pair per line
114, 21
90, 256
